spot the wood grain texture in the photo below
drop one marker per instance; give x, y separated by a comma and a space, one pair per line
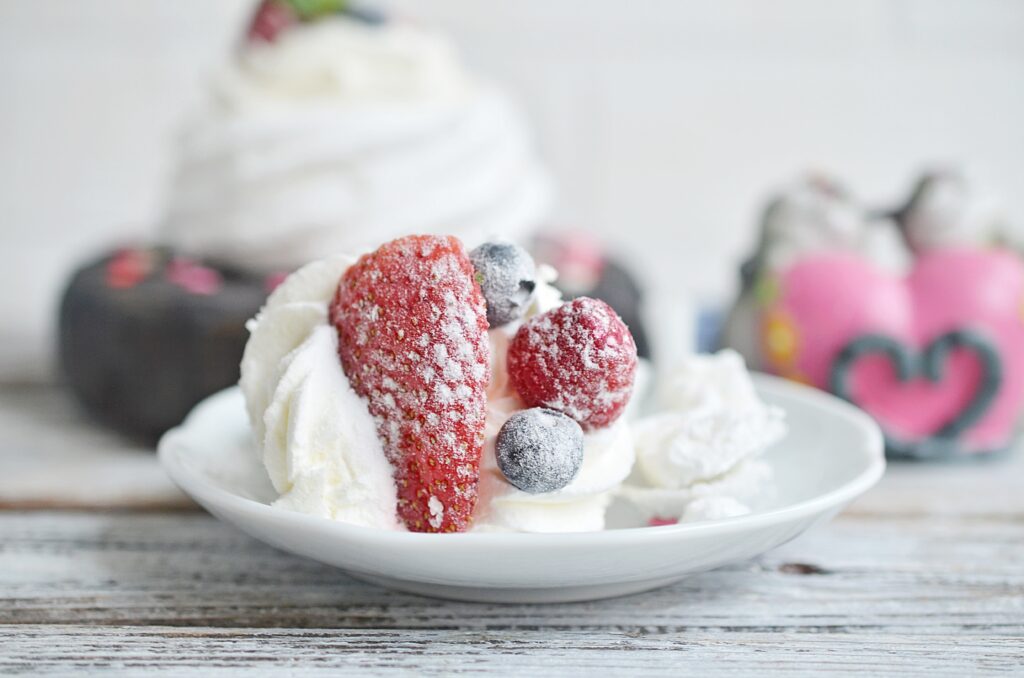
174, 592
922, 575
53, 456
502, 652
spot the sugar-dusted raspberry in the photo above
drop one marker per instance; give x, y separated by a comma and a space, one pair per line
412, 337
579, 359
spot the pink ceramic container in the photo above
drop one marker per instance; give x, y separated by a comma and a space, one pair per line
936, 356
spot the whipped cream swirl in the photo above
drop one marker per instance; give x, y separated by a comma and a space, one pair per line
342, 134
704, 443
315, 436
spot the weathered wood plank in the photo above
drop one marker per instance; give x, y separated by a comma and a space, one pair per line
538, 653
53, 456
925, 574
901, 576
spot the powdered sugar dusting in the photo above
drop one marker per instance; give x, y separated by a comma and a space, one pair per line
579, 359
506, 273
539, 450
436, 509
413, 341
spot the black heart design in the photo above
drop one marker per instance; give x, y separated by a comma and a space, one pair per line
930, 364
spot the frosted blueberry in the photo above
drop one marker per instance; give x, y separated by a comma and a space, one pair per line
539, 450
506, 275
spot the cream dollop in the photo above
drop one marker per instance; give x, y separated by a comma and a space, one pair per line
316, 437
704, 441
343, 134
339, 59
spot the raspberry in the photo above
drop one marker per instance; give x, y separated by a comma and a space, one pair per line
128, 267
579, 359
193, 277
272, 17
412, 338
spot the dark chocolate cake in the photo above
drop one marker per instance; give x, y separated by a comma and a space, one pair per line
145, 334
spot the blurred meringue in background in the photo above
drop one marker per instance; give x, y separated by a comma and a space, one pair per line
327, 129
333, 134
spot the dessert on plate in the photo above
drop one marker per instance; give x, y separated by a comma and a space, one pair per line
328, 129
428, 388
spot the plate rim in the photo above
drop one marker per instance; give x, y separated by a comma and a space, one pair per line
206, 493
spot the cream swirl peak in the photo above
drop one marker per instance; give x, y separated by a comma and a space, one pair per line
339, 134
342, 60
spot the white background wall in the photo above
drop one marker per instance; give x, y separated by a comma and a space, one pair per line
666, 122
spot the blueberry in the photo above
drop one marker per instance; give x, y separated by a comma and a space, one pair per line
539, 450
506, 275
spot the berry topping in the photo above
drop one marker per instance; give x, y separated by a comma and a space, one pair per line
506, 275
272, 17
539, 450
579, 359
128, 267
577, 255
274, 280
193, 277
412, 337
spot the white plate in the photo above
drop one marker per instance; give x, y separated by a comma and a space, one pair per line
832, 453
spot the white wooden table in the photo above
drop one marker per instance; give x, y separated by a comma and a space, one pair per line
922, 576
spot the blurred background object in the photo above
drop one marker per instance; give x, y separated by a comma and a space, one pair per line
914, 313
665, 127
327, 128
586, 268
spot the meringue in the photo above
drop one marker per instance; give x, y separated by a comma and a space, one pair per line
342, 134
704, 443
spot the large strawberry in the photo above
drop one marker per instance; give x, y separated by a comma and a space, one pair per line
412, 337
